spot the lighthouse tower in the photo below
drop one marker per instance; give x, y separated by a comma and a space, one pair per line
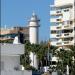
34, 37
34, 28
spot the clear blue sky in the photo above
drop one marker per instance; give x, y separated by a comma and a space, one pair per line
18, 12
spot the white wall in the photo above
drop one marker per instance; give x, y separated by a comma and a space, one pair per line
66, 16
33, 34
34, 61
53, 43
16, 72
33, 24
12, 49
10, 62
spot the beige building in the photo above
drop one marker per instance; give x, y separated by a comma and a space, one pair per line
62, 29
10, 33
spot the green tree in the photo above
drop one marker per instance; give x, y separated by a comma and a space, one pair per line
41, 50
66, 59
25, 60
73, 60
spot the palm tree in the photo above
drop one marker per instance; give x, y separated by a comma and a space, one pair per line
73, 59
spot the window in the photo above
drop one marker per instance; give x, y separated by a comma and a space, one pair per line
68, 39
66, 42
58, 11
53, 31
67, 31
58, 43
58, 27
58, 19
71, 22
66, 34
58, 35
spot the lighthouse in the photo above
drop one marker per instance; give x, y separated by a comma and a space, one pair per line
34, 37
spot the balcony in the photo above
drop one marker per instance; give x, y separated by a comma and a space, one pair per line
55, 27
68, 42
53, 35
12, 49
68, 27
55, 13
65, 43
64, 35
56, 43
58, 36
59, 27
59, 44
53, 43
56, 20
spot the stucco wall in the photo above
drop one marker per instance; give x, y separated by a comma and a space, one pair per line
10, 62
16, 72
12, 49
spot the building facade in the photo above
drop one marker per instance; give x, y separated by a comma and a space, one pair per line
62, 29
10, 33
10, 60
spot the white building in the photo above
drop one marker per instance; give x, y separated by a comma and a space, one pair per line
34, 37
10, 59
62, 29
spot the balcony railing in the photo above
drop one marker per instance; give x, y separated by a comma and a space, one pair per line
67, 35
68, 27
58, 20
68, 42
55, 13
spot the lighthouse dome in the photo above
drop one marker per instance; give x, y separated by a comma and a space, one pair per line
34, 20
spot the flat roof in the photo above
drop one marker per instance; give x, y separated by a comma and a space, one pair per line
62, 6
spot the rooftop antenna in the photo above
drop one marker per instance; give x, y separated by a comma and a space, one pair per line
33, 13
